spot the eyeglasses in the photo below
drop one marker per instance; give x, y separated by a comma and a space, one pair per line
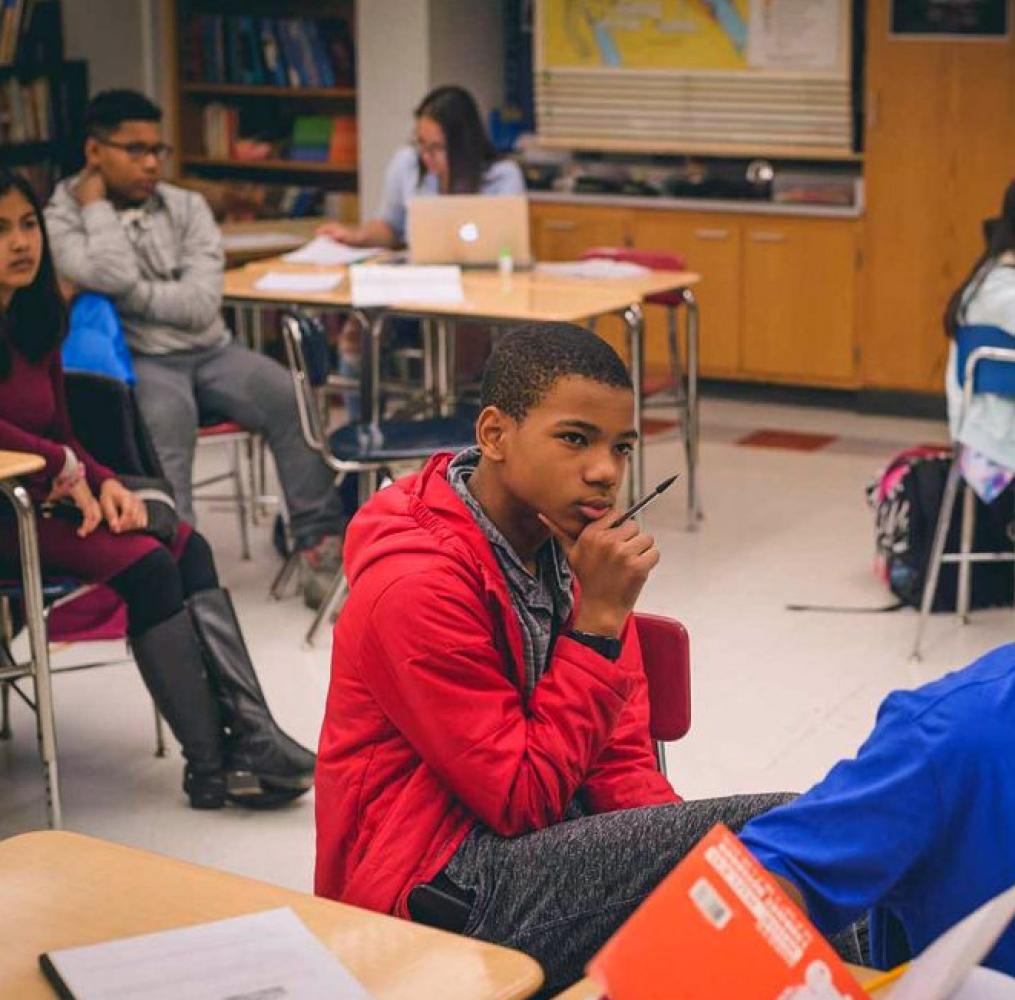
137, 151
428, 148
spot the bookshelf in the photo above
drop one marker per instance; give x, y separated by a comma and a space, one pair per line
265, 102
42, 95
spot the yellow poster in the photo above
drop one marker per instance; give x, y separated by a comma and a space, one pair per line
645, 34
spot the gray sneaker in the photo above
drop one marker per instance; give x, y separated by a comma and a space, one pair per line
318, 566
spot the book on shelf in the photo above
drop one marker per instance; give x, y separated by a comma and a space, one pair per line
220, 130
26, 111
324, 139
266, 51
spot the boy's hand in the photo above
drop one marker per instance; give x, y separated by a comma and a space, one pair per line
91, 187
612, 565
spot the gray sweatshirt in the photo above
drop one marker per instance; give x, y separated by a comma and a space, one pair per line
160, 263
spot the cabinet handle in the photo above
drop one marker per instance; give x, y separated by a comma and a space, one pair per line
711, 234
561, 226
766, 237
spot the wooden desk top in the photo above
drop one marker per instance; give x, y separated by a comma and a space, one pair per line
63, 889
297, 231
524, 296
19, 463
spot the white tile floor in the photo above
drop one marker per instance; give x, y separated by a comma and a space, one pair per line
778, 696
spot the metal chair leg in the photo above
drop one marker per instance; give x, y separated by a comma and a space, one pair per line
240, 497
331, 602
937, 551
660, 751
693, 433
160, 733
5, 711
676, 365
281, 580
255, 487
965, 547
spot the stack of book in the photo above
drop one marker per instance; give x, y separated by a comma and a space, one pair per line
324, 139
12, 20
220, 130
26, 112
266, 51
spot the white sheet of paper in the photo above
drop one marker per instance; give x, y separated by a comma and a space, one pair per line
329, 253
383, 284
593, 269
268, 956
259, 240
938, 971
298, 281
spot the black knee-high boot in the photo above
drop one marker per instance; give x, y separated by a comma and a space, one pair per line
169, 658
255, 743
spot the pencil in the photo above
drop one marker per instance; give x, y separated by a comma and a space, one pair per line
885, 978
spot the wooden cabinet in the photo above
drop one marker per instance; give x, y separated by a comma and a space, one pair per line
709, 244
565, 232
798, 299
777, 294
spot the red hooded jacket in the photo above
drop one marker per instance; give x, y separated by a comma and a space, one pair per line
427, 729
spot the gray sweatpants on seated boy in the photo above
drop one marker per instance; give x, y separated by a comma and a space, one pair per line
559, 893
254, 391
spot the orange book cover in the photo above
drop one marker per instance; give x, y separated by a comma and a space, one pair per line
718, 927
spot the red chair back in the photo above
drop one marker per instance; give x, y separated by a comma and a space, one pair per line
654, 260
666, 654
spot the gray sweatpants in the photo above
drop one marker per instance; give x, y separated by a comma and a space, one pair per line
254, 391
559, 893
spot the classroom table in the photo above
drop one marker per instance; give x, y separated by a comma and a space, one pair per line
13, 465
60, 889
249, 241
494, 298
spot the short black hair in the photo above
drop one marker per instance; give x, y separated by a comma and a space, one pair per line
108, 110
527, 363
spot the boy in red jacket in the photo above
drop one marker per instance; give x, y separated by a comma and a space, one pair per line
485, 761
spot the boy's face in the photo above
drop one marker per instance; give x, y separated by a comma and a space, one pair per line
567, 457
129, 159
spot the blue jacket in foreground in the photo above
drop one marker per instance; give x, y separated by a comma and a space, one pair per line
920, 825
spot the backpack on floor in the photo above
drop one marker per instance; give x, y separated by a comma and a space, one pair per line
906, 499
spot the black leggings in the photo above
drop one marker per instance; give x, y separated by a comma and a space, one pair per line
155, 587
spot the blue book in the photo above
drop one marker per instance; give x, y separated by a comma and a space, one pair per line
319, 54
305, 57
291, 51
253, 64
271, 50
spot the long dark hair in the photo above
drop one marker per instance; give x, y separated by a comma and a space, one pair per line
1000, 238
36, 320
469, 149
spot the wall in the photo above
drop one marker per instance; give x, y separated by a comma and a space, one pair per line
108, 33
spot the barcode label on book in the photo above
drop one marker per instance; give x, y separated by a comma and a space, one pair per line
710, 904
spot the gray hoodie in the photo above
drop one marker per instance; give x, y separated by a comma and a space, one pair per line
160, 263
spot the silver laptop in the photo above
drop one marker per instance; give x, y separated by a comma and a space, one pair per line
469, 229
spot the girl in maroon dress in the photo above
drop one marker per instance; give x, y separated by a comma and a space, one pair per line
182, 627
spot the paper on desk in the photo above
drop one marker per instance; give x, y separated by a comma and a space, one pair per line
268, 956
385, 284
593, 269
328, 252
258, 240
298, 281
941, 968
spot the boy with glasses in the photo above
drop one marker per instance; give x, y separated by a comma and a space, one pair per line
155, 250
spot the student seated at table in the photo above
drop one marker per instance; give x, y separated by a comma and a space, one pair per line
986, 297
154, 248
183, 630
450, 153
919, 827
486, 730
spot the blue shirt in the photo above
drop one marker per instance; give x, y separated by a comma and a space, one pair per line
920, 825
402, 181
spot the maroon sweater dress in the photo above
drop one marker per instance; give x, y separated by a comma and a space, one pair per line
34, 417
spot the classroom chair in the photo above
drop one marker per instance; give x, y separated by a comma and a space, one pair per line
214, 431
666, 656
684, 383
985, 363
369, 449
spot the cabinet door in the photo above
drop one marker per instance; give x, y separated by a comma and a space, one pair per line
565, 232
710, 245
799, 279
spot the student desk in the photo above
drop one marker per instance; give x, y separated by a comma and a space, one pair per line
520, 297
248, 241
61, 889
14, 464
